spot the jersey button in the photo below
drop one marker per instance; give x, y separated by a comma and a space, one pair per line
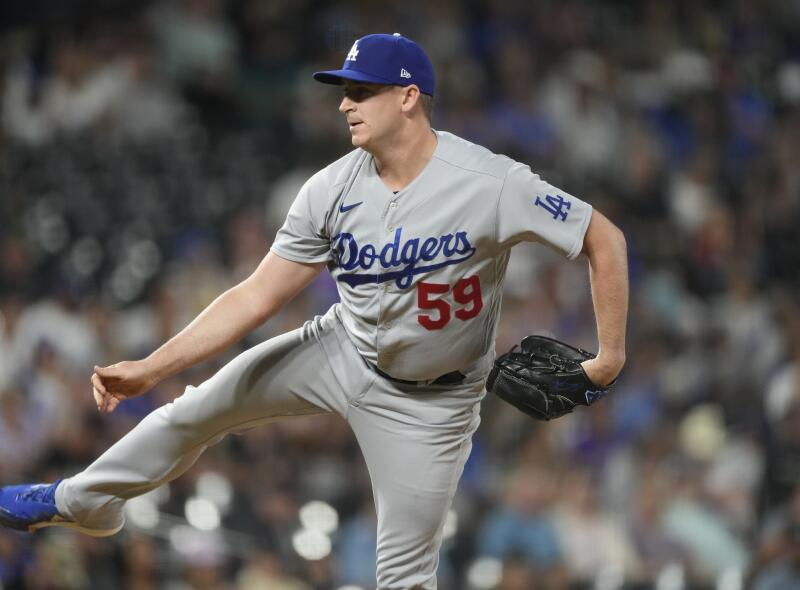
393, 204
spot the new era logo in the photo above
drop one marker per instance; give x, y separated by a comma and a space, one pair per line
404, 73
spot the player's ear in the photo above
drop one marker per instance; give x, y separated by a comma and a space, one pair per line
411, 96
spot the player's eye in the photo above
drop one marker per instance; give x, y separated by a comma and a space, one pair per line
358, 93
361, 93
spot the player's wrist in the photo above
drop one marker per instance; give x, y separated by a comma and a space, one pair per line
152, 370
611, 356
606, 366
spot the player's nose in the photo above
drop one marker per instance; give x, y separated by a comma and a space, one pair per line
346, 105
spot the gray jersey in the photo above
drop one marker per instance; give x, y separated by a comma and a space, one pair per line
420, 272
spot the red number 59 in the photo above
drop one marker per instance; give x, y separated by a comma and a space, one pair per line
466, 292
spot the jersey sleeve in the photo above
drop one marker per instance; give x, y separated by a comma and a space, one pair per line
532, 210
303, 237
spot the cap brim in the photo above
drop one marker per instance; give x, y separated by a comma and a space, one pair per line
336, 77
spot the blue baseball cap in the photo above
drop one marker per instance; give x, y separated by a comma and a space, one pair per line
384, 59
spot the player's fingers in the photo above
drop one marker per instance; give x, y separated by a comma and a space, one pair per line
97, 383
104, 399
108, 374
98, 399
112, 404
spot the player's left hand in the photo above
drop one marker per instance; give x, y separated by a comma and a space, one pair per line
547, 378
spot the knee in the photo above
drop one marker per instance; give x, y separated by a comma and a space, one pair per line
188, 410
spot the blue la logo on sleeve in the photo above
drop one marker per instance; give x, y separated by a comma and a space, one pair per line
556, 206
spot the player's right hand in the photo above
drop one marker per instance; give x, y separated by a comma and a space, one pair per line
115, 383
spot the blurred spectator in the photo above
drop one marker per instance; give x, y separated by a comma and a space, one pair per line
57, 325
576, 100
692, 196
518, 126
782, 408
204, 560
356, 547
198, 45
751, 336
518, 575
521, 526
785, 573
592, 541
265, 572
11, 308
655, 548
13, 557
21, 427
56, 563
148, 110
140, 563
777, 564
784, 388
76, 95
199, 51
702, 529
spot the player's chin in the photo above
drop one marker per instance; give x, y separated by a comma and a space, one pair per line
358, 141
358, 137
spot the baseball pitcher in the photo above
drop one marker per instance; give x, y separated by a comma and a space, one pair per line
415, 225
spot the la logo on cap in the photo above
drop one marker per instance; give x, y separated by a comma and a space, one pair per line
353, 53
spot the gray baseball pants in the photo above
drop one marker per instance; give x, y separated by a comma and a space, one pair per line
415, 439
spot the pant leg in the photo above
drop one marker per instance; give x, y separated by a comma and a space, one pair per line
415, 445
288, 375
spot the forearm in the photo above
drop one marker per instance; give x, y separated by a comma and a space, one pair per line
609, 281
233, 314
229, 317
608, 274
225, 321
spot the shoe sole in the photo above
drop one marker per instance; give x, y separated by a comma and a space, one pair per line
76, 527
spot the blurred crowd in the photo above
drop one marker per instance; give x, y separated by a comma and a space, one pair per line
149, 151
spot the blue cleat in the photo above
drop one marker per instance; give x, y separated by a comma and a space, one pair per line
28, 507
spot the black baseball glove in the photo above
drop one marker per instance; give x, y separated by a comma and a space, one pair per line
544, 378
